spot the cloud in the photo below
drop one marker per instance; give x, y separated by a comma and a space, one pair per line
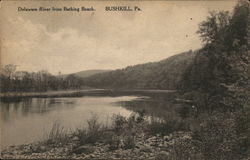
103, 40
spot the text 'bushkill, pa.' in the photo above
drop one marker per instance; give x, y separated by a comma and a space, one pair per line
77, 9
122, 8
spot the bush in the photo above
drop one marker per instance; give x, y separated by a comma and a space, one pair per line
121, 134
185, 149
217, 137
119, 123
126, 130
129, 142
93, 133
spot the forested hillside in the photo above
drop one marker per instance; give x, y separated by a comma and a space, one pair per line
165, 74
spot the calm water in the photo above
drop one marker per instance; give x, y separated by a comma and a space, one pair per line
28, 120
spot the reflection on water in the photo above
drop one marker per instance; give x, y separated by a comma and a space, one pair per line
28, 120
29, 106
156, 106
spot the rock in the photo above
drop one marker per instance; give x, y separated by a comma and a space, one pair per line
92, 156
42, 148
162, 155
152, 138
166, 138
75, 138
146, 149
34, 149
15, 152
86, 149
136, 151
187, 137
161, 145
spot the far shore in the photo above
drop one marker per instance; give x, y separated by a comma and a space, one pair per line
76, 93
47, 93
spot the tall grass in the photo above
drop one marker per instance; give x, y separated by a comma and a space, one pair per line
121, 133
57, 134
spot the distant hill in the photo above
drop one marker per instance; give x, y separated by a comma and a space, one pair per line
86, 73
89, 73
165, 74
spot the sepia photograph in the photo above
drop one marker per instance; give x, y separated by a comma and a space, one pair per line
125, 79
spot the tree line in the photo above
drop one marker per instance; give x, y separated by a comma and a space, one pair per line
23, 81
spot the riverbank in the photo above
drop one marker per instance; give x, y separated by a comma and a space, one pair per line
126, 138
151, 147
137, 137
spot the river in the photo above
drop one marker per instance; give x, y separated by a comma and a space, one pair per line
30, 119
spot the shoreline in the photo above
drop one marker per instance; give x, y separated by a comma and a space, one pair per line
79, 93
146, 147
133, 137
46, 93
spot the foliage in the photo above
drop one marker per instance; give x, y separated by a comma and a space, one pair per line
218, 137
164, 74
218, 82
215, 27
22, 81
220, 70
122, 132
93, 133
9, 70
185, 149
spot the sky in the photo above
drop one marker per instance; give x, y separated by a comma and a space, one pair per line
74, 41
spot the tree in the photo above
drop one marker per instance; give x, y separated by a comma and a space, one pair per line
9, 70
215, 27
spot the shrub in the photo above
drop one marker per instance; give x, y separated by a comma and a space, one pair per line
119, 123
217, 137
185, 149
114, 142
93, 133
129, 142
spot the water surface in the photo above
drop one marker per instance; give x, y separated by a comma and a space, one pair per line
30, 119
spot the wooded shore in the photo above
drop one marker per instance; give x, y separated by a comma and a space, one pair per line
72, 93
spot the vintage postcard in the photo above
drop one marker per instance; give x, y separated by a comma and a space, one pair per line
125, 79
